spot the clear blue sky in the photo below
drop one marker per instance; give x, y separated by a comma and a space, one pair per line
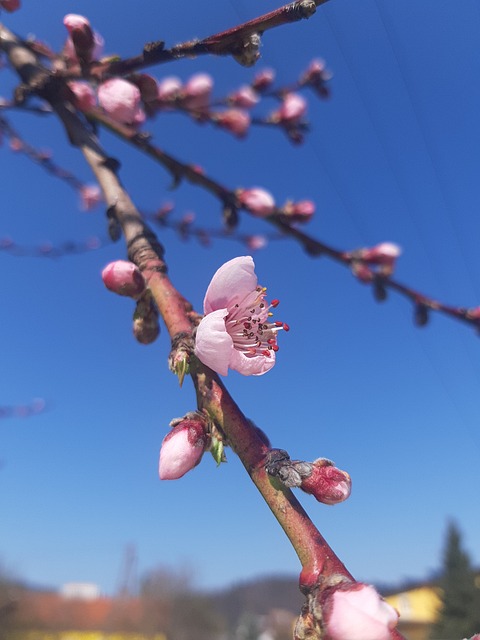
392, 156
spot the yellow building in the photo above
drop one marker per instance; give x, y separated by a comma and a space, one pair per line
418, 608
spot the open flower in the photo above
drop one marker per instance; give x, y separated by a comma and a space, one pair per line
236, 331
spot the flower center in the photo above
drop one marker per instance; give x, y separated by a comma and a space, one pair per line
249, 325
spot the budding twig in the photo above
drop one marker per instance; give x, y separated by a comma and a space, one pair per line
227, 42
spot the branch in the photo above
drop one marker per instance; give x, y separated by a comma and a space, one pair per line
179, 170
319, 563
229, 42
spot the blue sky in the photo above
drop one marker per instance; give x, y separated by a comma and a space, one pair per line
392, 156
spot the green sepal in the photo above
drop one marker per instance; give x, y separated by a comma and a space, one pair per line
217, 450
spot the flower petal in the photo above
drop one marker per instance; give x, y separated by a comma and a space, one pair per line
251, 365
230, 284
213, 345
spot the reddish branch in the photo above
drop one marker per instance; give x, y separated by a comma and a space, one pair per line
229, 42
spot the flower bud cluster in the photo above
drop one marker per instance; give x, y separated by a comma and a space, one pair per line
129, 101
260, 203
379, 260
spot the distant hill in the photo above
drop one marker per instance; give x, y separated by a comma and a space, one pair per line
258, 597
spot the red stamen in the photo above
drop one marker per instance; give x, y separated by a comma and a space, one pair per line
275, 347
271, 341
275, 303
266, 352
285, 326
279, 324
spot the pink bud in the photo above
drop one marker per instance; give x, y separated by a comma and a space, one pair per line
327, 483
357, 612
169, 89
362, 271
258, 201
10, 5
244, 97
256, 242
474, 313
301, 211
90, 196
84, 95
82, 39
182, 448
383, 253
236, 121
197, 91
121, 101
124, 278
263, 79
292, 109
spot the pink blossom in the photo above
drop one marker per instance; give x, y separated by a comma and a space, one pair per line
301, 211
327, 483
83, 42
124, 277
16, 144
256, 242
316, 73
182, 449
292, 109
197, 91
244, 97
85, 97
169, 89
236, 331
121, 101
357, 612
263, 79
10, 5
257, 200
474, 313
384, 253
90, 196
236, 121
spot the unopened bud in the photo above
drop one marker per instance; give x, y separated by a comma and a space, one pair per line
125, 278
248, 52
168, 90
362, 271
355, 611
263, 80
197, 91
121, 100
81, 36
245, 97
146, 327
301, 211
327, 483
236, 121
291, 111
384, 255
83, 95
10, 5
258, 201
421, 315
183, 448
